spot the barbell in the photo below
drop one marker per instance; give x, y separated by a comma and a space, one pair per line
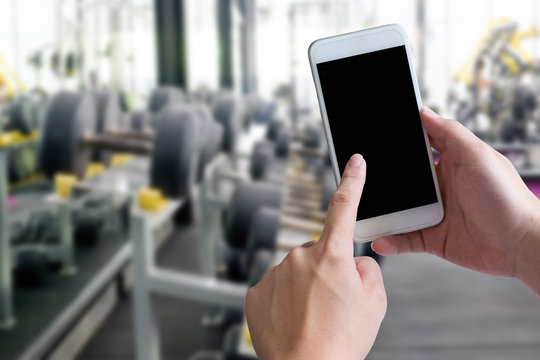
68, 136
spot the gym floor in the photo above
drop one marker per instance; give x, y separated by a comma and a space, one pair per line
436, 310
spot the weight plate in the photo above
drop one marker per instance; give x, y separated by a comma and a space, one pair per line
39, 223
31, 268
19, 234
263, 233
259, 266
88, 225
140, 120
230, 344
312, 137
227, 113
261, 157
246, 200
216, 138
282, 141
235, 265
16, 166
231, 340
23, 115
274, 126
164, 96
175, 153
68, 117
205, 146
252, 104
275, 172
108, 112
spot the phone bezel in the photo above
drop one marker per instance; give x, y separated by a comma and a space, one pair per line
356, 43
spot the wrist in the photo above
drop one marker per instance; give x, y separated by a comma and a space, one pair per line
527, 267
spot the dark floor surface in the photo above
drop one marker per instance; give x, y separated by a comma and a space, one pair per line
179, 321
36, 307
435, 311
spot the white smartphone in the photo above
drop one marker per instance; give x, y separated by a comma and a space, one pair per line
370, 104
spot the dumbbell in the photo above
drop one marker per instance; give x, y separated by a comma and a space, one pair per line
245, 204
23, 114
211, 132
310, 138
110, 118
89, 221
28, 242
269, 159
22, 162
68, 137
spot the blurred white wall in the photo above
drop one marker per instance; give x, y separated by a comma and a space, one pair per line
28, 26
453, 28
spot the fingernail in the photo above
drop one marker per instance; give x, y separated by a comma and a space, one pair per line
356, 160
429, 112
382, 247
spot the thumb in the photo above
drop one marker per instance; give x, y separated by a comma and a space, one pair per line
435, 128
399, 244
444, 133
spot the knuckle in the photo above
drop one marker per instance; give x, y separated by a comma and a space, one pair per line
295, 255
329, 251
341, 196
249, 298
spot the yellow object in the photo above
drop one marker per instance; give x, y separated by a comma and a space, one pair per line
30, 179
9, 80
94, 169
5, 140
510, 63
513, 42
247, 336
119, 159
151, 199
18, 137
63, 184
316, 236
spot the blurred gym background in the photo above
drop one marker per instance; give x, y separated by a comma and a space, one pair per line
156, 156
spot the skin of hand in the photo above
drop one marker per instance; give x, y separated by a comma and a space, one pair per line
321, 302
491, 221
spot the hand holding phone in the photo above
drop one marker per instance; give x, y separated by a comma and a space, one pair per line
370, 104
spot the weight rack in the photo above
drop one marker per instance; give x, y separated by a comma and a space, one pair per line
151, 279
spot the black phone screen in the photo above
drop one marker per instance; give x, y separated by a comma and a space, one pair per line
372, 110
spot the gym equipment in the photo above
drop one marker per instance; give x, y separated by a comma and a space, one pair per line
22, 162
256, 216
227, 112
310, 136
32, 268
229, 349
152, 279
7, 320
89, 221
490, 94
141, 121
68, 136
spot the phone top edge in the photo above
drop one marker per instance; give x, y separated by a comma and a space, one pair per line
345, 45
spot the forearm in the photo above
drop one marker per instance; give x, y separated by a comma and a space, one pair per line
528, 261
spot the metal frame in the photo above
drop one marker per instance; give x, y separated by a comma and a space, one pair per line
171, 42
7, 319
151, 279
